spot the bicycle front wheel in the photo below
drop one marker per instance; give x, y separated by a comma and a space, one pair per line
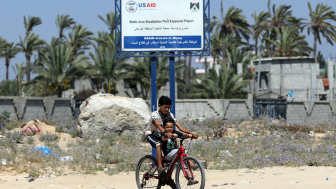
146, 174
193, 176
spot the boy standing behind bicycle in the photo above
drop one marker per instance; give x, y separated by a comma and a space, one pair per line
154, 129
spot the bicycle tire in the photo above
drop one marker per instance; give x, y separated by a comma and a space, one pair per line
180, 170
137, 171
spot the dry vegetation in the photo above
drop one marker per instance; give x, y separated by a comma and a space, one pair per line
224, 144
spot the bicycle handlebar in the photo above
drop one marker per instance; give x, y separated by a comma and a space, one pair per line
183, 138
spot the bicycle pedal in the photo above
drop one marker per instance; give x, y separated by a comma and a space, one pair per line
163, 178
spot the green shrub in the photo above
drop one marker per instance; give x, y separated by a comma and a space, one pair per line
5, 117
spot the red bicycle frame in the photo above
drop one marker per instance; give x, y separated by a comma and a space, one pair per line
180, 155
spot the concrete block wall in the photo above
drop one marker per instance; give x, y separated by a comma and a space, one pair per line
205, 108
28, 108
8, 105
311, 111
321, 112
296, 112
237, 109
62, 110
193, 109
34, 108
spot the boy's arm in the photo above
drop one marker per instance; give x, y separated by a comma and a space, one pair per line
180, 135
183, 129
157, 124
164, 136
187, 135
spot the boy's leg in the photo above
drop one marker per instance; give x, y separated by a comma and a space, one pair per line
154, 141
159, 156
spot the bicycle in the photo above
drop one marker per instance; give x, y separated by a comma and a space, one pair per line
147, 176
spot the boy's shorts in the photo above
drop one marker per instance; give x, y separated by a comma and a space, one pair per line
153, 140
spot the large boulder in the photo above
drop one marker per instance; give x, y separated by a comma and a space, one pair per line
105, 113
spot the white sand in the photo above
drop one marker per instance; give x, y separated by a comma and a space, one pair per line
276, 177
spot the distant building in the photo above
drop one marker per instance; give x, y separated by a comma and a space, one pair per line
294, 78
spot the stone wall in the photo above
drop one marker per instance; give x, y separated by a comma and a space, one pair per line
311, 111
204, 108
28, 108
62, 108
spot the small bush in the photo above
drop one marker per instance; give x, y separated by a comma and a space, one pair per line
30, 140
69, 126
5, 117
48, 120
14, 123
16, 135
48, 138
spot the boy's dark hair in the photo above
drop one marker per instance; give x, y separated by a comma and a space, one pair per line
167, 120
165, 100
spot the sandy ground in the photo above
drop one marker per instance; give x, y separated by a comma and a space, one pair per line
276, 177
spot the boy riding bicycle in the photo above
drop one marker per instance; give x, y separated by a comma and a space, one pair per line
154, 130
170, 148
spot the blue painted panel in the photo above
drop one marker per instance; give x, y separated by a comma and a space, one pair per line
162, 42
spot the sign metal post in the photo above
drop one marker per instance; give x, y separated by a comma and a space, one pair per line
153, 93
172, 83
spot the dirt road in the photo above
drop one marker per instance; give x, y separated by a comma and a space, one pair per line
274, 178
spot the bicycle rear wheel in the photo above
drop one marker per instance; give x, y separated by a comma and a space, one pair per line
195, 174
146, 174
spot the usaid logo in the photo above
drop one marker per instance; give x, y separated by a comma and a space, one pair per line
143, 5
131, 6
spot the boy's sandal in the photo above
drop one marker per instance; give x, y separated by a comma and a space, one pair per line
192, 182
161, 170
171, 183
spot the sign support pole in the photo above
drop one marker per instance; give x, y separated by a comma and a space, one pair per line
172, 83
153, 93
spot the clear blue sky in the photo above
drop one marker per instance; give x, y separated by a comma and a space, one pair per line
85, 12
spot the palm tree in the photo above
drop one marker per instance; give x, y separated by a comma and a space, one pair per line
236, 56
108, 67
3, 43
63, 22
320, 24
289, 43
79, 39
234, 22
109, 21
216, 43
105, 40
280, 17
19, 71
56, 69
223, 85
140, 72
31, 23
30, 44
321, 60
8, 53
260, 26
